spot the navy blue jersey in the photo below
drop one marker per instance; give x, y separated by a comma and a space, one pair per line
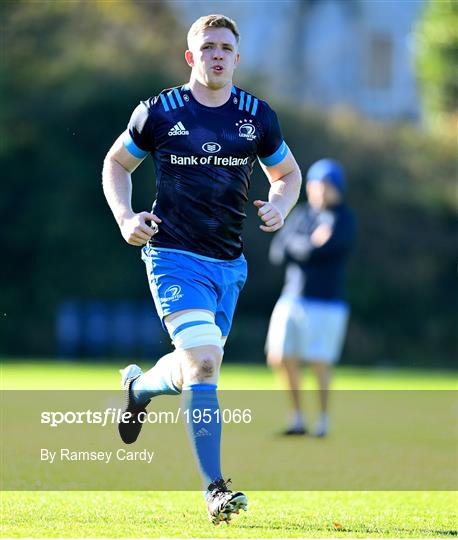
203, 158
315, 272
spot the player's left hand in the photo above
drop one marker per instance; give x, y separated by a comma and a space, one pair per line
270, 215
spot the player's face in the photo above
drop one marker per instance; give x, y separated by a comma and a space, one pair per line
213, 56
322, 194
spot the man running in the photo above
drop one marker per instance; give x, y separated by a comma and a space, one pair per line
204, 137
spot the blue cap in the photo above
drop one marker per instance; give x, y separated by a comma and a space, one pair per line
328, 170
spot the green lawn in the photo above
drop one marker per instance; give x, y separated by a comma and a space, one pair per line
182, 514
270, 515
45, 375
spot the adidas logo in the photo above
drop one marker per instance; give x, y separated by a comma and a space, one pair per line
202, 433
178, 129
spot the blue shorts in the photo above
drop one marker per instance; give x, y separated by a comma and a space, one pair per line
182, 280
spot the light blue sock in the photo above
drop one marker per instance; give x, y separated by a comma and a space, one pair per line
155, 382
203, 423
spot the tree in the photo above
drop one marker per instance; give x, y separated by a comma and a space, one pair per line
437, 43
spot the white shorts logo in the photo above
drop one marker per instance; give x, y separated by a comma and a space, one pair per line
172, 294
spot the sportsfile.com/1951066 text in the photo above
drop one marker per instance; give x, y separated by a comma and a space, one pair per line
114, 415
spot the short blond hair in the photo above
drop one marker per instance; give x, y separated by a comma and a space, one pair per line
213, 21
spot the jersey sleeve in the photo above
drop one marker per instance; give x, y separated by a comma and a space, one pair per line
139, 137
272, 149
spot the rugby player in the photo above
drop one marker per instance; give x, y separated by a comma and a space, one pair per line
204, 137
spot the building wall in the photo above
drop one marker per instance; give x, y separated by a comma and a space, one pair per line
327, 53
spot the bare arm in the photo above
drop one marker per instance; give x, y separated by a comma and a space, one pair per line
285, 185
118, 165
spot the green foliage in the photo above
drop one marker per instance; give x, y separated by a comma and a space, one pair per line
437, 42
73, 72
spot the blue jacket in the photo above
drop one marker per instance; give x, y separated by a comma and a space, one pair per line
315, 272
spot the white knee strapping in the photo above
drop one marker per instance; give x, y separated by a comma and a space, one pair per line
194, 329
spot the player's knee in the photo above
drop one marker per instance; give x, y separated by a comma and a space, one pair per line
199, 338
274, 360
203, 365
204, 369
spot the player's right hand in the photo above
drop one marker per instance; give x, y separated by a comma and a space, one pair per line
136, 231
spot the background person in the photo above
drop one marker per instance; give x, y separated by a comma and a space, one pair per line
309, 321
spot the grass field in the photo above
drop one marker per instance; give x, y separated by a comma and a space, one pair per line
182, 514
45, 375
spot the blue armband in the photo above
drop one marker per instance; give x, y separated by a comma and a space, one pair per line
133, 149
276, 157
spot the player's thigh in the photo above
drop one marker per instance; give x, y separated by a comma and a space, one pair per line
325, 330
177, 283
283, 335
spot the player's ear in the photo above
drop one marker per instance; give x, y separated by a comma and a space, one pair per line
189, 58
237, 60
